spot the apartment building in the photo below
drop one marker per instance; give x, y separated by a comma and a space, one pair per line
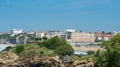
83, 37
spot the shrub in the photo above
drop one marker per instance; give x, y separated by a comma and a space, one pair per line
64, 50
19, 49
7, 48
90, 52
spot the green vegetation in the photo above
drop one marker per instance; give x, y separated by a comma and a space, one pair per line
64, 50
55, 42
19, 49
32, 50
59, 46
80, 57
8, 48
110, 57
91, 52
5, 36
44, 47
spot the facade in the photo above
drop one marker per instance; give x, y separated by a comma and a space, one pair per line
68, 34
99, 36
15, 31
103, 36
115, 33
83, 37
52, 34
0, 33
30, 32
107, 37
21, 39
39, 34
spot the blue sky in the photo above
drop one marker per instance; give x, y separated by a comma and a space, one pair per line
86, 15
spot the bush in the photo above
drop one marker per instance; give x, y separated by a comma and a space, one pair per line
19, 49
64, 50
7, 48
55, 42
90, 52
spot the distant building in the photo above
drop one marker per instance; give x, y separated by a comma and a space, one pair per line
107, 36
103, 36
15, 31
115, 33
51, 34
83, 37
30, 32
39, 34
0, 33
21, 39
68, 34
99, 36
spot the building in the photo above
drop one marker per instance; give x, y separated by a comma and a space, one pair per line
115, 33
15, 31
40, 34
21, 39
99, 36
103, 36
68, 34
51, 34
30, 32
107, 36
83, 37
0, 33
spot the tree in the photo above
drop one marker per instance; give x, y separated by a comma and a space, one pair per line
44, 38
19, 49
64, 50
90, 52
55, 42
111, 57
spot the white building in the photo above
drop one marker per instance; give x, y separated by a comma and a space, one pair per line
68, 34
30, 32
39, 34
115, 33
51, 34
15, 31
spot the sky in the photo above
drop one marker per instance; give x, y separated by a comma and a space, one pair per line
45, 15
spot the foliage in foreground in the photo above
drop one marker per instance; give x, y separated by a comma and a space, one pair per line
64, 50
59, 46
90, 52
19, 49
45, 47
111, 57
8, 48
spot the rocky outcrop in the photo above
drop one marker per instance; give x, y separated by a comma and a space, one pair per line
84, 63
9, 59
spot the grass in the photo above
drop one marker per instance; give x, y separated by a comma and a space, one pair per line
31, 50
80, 57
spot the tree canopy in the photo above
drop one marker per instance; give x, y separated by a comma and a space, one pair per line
111, 57
60, 46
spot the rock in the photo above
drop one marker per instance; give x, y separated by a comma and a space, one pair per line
83, 63
8, 57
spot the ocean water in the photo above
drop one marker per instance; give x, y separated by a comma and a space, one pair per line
3, 46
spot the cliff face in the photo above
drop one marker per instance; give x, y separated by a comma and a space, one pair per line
8, 59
